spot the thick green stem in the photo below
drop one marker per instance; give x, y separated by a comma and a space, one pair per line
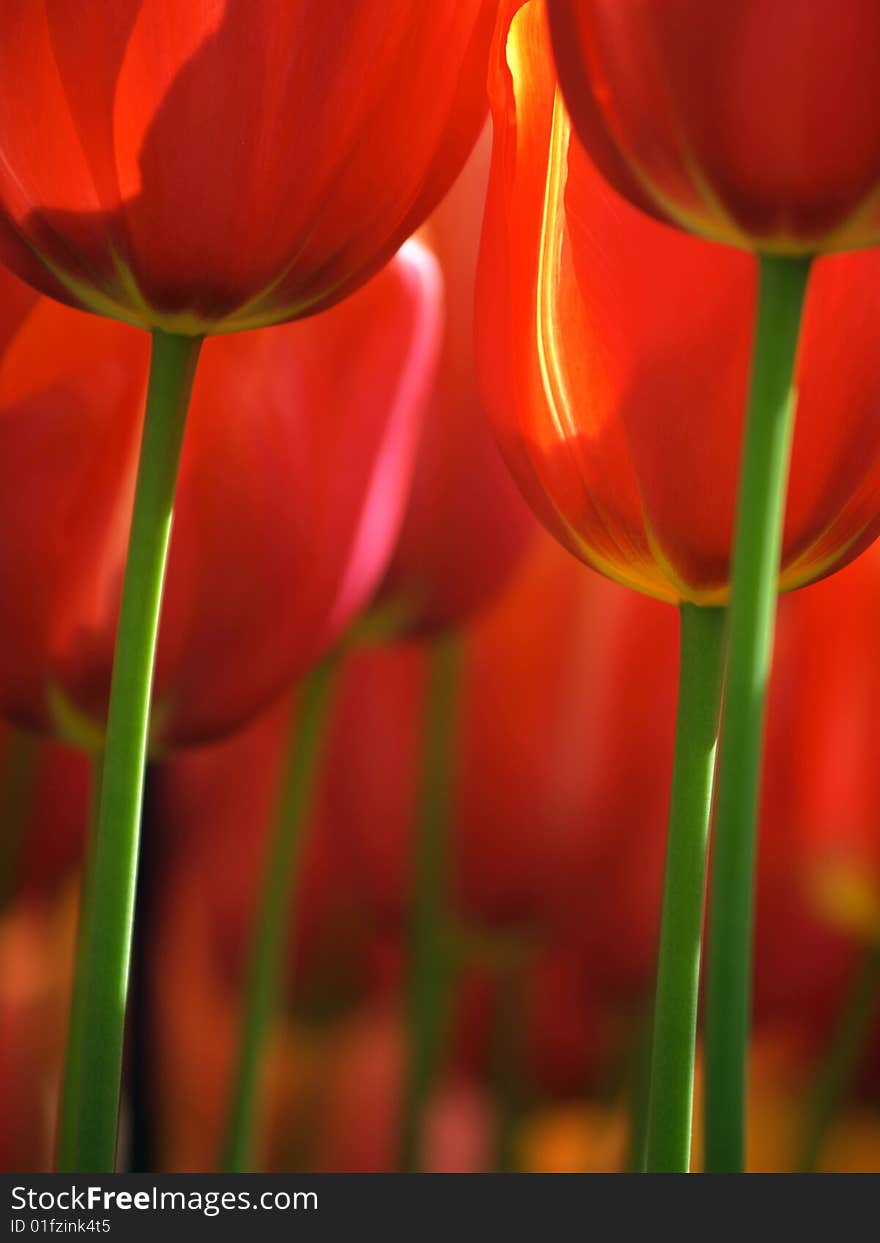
276, 902
841, 1062
756, 559
670, 1105
101, 984
429, 966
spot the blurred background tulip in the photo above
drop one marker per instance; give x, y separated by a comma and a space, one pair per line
465, 525
239, 165
294, 479
751, 122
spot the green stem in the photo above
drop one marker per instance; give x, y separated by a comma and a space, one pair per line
274, 908
670, 1105
839, 1067
756, 559
101, 986
429, 966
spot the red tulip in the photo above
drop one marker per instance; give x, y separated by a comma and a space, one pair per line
466, 525
615, 352
234, 163
756, 122
295, 473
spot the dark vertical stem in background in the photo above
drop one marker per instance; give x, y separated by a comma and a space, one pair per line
429, 966
276, 906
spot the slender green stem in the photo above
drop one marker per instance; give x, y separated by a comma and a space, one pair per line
670, 1104
430, 959
756, 558
101, 987
276, 901
841, 1062
18, 774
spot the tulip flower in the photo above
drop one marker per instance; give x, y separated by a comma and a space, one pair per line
233, 167
239, 165
294, 479
618, 405
617, 402
285, 522
465, 525
751, 122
